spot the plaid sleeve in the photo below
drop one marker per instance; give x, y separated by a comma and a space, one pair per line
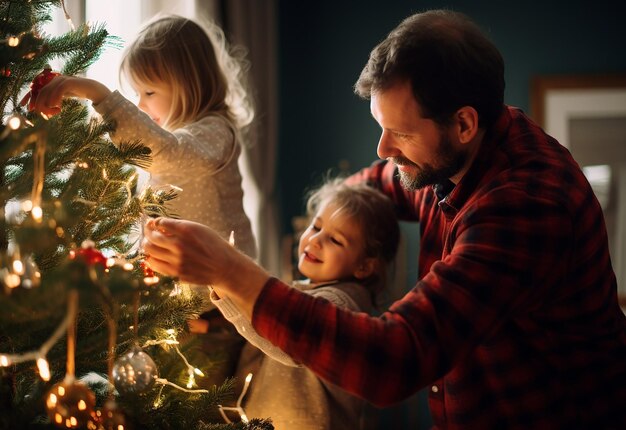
346, 348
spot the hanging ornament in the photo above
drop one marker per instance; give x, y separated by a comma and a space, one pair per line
39, 173
20, 270
40, 81
89, 254
146, 269
110, 417
70, 404
5, 71
134, 372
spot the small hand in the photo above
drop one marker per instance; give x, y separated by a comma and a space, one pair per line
49, 98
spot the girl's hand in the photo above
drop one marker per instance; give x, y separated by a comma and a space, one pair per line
49, 98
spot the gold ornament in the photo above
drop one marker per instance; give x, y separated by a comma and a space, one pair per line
70, 404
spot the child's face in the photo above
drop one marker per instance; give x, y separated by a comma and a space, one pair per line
155, 100
331, 248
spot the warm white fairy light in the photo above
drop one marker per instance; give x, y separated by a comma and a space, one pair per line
37, 213
68, 18
14, 122
151, 280
13, 41
237, 408
39, 356
178, 387
18, 267
191, 370
44, 368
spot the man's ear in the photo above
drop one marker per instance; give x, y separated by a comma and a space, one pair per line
365, 269
466, 121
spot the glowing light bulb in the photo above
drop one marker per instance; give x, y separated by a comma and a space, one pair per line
18, 267
44, 370
14, 122
37, 213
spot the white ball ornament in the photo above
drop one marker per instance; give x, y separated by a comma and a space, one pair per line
134, 372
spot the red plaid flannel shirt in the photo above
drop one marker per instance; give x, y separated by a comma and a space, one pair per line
514, 322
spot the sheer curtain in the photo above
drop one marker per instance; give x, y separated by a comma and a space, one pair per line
252, 24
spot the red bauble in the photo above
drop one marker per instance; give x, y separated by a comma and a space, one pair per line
89, 254
40, 81
147, 270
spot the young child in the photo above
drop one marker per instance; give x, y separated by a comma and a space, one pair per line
192, 111
344, 253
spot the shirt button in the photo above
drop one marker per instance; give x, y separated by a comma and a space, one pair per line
434, 389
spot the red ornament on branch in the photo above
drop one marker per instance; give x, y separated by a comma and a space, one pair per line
89, 254
40, 81
147, 270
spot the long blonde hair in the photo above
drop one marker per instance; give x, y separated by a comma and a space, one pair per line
206, 76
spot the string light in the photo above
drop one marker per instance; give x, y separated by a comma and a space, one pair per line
68, 18
237, 408
38, 175
39, 356
14, 122
37, 213
192, 371
44, 368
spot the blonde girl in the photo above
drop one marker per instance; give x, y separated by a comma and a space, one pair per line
192, 113
344, 254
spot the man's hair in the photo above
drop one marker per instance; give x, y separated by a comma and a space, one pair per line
373, 213
205, 75
449, 62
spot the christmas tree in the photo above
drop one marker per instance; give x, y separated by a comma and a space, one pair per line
88, 333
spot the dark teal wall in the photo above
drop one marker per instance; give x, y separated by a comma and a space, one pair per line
323, 45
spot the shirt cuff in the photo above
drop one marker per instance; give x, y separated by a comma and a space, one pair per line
225, 305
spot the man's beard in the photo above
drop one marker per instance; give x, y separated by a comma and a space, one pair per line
449, 162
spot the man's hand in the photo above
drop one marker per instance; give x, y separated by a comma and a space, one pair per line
198, 255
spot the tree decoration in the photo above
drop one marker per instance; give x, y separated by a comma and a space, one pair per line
70, 403
89, 254
134, 372
40, 81
69, 201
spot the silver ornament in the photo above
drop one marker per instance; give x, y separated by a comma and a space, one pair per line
134, 372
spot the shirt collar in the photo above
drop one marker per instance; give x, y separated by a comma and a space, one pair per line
458, 195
